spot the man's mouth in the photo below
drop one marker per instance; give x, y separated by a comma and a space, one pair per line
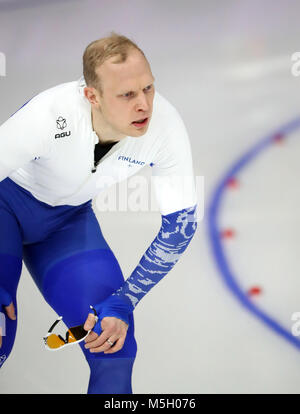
140, 123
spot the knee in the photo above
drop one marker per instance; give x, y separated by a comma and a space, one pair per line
113, 376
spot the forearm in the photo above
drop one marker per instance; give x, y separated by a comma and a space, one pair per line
164, 252
176, 232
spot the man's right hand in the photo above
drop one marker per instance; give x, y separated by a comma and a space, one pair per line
10, 309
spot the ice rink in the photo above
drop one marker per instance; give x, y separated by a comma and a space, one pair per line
221, 320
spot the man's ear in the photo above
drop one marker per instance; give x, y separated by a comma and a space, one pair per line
91, 94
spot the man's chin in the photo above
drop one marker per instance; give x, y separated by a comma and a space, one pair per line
137, 133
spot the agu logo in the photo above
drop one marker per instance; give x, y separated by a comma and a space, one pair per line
61, 124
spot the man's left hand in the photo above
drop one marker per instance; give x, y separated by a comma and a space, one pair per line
113, 329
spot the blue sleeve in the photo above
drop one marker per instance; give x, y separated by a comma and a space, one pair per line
176, 232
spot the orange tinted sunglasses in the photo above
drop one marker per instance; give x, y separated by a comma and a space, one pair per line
74, 335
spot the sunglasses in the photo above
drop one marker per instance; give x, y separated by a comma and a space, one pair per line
74, 335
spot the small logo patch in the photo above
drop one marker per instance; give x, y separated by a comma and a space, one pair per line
61, 123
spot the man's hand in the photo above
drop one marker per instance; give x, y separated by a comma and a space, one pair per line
113, 329
10, 310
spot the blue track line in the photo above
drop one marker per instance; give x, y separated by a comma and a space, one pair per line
214, 230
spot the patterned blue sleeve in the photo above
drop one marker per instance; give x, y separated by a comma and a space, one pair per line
176, 232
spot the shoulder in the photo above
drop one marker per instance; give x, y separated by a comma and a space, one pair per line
165, 115
167, 122
57, 97
46, 113
163, 108
44, 110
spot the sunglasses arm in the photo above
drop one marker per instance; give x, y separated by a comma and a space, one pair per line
95, 313
54, 325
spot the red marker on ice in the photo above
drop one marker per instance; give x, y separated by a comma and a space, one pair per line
228, 233
254, 291
278, 138
232, 182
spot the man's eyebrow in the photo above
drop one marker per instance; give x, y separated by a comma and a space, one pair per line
122, 93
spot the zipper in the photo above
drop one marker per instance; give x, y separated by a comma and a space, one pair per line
107, 155
82, 185
94, 169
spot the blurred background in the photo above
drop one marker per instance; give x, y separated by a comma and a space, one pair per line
227, 68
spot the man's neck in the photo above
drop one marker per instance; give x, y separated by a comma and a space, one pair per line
105, 136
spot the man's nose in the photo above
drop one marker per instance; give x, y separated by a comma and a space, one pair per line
142, 103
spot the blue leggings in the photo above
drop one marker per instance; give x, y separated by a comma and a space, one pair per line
72, 265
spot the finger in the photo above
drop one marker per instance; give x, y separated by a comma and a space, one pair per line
116, 347
91, 337
105, 346
0, 341
90, 322
97, 340
10, 310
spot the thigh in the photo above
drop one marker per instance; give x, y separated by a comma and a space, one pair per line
78, 233
75, 268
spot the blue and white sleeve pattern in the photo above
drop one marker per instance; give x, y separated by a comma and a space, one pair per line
176, 232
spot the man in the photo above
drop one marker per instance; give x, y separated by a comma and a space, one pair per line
56, 153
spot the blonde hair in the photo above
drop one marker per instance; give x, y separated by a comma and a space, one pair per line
97, 52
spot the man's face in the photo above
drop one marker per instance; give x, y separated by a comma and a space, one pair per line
128, 93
